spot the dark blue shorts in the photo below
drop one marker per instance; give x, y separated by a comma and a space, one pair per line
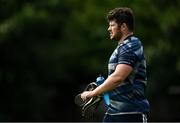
125, 118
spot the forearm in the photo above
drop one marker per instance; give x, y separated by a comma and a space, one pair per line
109, 84
120, 74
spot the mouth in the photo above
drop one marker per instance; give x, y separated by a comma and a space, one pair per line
111, 34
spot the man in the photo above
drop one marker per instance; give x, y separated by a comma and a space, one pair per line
127, 79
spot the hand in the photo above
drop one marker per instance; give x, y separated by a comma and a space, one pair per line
86, 95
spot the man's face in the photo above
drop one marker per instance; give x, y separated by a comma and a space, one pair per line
114, 30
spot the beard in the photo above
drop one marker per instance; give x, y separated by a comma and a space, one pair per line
117, 36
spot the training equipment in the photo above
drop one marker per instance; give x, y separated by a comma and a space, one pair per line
88, 106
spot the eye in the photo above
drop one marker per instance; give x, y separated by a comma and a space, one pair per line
111, 25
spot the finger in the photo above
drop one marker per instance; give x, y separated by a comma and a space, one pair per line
83, 96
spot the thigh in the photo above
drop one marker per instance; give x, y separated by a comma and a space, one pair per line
124, 118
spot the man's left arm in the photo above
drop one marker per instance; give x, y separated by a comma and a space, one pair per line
121, 73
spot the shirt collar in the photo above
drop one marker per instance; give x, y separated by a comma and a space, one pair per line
125, 40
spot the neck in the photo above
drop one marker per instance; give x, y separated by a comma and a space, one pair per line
125, 36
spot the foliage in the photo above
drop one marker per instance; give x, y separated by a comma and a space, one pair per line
51, 48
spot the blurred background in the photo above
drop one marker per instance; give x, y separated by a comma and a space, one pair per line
51, 49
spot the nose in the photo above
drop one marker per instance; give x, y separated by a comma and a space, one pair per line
109, 28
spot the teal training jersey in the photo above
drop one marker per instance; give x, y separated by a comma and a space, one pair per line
129, 96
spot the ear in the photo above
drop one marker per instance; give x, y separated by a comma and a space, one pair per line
123, 27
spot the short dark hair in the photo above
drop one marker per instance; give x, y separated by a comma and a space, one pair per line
122, 15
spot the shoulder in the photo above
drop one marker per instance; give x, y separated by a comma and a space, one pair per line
133, 43
130, 45
136, 47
